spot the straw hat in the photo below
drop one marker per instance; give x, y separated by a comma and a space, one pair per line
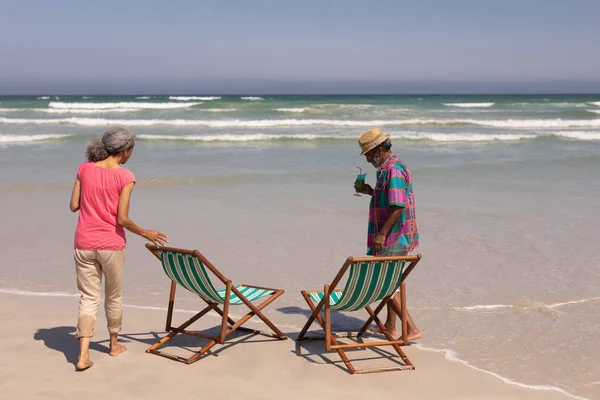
371, 139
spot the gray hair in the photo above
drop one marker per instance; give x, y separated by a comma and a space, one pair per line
387, 145
116, 140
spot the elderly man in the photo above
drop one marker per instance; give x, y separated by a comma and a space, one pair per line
392, 223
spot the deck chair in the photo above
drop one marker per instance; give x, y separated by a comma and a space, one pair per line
370, 279
188, 269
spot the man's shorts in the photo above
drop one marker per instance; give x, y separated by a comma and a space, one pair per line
395, 250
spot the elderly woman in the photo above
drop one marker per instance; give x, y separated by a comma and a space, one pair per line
101, 193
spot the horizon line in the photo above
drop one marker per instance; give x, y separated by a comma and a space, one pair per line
525, 93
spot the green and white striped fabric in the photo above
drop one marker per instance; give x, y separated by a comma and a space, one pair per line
367, 283
248, 292
333, 299
189, 272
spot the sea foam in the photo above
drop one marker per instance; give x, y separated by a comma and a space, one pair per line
187, 98
218, 109
234, 138
266, 123
36, 294
578, 135
564, 104
85, 111
14, 139
291, 110
468, 105
451, 355
525, 306
568, 303
464, 137
137, 105
28, 293
435, 137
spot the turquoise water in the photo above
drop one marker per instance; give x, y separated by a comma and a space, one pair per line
506, 190
273, 118
442, 130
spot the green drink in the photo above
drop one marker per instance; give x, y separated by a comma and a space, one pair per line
359, 183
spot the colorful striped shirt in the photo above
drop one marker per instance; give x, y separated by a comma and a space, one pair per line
393, 188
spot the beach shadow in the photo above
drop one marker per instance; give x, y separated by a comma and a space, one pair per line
340, 320
63, 340
193, 344
313, 350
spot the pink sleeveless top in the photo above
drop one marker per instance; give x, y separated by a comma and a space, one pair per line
97, 227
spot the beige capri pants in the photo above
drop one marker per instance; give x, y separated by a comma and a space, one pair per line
90, 266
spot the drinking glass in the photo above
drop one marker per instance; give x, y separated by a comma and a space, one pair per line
359, 183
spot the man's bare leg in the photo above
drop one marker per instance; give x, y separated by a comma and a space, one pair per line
116, 348
390, 322
83, 361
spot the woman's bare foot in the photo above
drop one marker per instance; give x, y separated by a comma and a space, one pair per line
83, 359
82, 365
117, 349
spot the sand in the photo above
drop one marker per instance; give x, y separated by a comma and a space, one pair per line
39, 351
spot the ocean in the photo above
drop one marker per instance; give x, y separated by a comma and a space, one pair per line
506, 189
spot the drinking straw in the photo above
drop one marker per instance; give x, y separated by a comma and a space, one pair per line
360, 170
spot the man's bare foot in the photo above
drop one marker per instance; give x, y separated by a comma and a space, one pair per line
411, 335
414, 335
82, 365
379, 332
117, 349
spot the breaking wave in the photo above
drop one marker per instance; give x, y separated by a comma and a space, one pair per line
136, 105
469, 105
218, 109
236, 138
257, 137
15, 139
578, 135
464, 137
85, 111
266, 123
290, 110
188, 98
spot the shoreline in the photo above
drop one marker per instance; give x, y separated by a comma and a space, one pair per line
427, 360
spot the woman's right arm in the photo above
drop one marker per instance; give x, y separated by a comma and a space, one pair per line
156, 237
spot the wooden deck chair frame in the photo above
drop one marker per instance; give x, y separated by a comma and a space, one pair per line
225, 330
331, 343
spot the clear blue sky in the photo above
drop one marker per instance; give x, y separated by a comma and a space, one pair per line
255, 46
